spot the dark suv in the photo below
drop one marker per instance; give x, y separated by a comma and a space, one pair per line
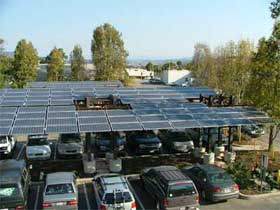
170, 188
14, 184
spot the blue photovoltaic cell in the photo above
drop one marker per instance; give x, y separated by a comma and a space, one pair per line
123, 119
6, 123
61, 108
95, 128
32, 109
200, 116
266, 120
156, 125
62, 129
152, 118
4, 131
238, 122
253, 114
119, 112
12, 103
61, 121
28, 130
212, 123
93, 120
174, 111
61, 102
92, 113
179, 117
37, 103
6, 116
61, 115
31, 115
25, 123
147, 111
8, 110
185, 124
126, 126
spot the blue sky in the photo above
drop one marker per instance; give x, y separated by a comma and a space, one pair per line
150, 28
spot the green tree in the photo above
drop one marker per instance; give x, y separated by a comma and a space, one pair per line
179, 64
25, 64
150, 66
55, 68
77, 64
108, 54
168, 66
275, 9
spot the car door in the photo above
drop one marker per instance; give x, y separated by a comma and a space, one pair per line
99, 192
201, 180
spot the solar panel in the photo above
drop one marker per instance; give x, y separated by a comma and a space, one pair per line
93, 120
197, 116
61, 115
36, 103
174, 111
14, 98
95, 128
259, 121
24, 123
253, 114
6, 123
32, 109
238, 122
156, 125
62, 129
61, 108
28, 130
152, 118
31, 115
61, 102
12, 103
212, 123
179, 117
126, 126
147, 111
91, 113
4, 131
185, 124
8, 110
61, 121
125, 119
119, 112
6, 116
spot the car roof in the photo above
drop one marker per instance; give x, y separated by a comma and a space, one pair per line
114, 183
11, 170
170, 173
59, 178
210, 168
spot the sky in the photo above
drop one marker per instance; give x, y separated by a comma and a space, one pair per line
151, 29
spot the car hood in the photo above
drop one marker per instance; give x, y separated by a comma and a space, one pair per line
38, 149
4, 144
148, 140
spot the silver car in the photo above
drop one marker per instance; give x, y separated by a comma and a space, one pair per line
60, 191
38, 147
70, 145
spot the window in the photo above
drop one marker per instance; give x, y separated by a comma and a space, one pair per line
3, 139
181, 189
9, 191
117, 197
99, 188
59, 189
37, 142
220, 177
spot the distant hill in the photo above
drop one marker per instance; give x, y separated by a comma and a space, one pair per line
143, 62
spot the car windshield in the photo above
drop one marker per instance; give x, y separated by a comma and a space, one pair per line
59, 189
9, 191
3, 139
178, 136
181, 189
146, 134
220, 177
118, 197
70, 138
37, 142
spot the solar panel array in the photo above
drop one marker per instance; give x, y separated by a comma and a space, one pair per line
77, 84
65, 119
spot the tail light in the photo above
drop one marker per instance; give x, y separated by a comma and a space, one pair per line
72, 202
197, 197
216, 189
165, 202
19, 207
235, 187
102, 207
133, 205
46, 205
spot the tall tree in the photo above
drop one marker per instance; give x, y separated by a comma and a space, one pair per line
77, 64
108, 53
149, 66
25, 63
55, 68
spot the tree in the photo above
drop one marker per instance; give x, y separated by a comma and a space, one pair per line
25, 64
77, 64
150, 66
108, 54
55, 68
179, 65
168, 66
275, 9
264, 84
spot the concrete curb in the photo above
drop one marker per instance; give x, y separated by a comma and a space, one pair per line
252, 197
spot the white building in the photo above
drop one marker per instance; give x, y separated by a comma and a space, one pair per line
177, 77
139, 72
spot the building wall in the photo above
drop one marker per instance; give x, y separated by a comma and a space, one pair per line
175, 76
139, 72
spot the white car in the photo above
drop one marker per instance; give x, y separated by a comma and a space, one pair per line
112, 192
60, 192
38, 147
7, 144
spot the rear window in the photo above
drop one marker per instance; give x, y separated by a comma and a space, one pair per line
119, 197
59, 189
37, 142
3, 139
221, 177
182, 189
7, 191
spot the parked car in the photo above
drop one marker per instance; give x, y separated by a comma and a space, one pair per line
170, 188
253, 130
7, 145
69, 145
104, 141
144, 142
14, 184
213, 183
60, 191
176, 140
112, 192
38, 147
155, 81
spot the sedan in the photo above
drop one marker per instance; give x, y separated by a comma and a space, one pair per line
38, 147
70, 145
213, 183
